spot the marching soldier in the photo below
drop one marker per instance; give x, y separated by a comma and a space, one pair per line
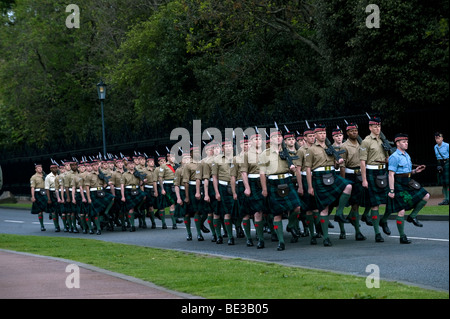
209, 201
132, 195
373, 159
223, 187
252, 188
192, 176
181, 207
323, 182
311, 210
98, 199
278, 187
351, 170
165, 177
52, 198
118, 208
405, 193
441, 150
150, 200
38, 195
76, 186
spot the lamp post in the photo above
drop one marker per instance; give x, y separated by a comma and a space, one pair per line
101, 90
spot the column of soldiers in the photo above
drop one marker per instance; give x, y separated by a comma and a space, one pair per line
298, 179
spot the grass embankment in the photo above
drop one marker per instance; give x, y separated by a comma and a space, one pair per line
213, 277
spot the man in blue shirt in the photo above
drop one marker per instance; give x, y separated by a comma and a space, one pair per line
405, 193
441, 151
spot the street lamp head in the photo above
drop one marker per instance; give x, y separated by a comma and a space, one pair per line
101, 90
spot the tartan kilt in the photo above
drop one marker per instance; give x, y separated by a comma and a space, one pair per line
406, 197
180, 210
40, 205
150, 200
171, 197
195, 205
227, 203
210, 207
242, 206
54, 207
443, 177
100, 204
79, 207
310, 201
133, 201
358, 192
328, 195
376, 196
279, 205
256, 201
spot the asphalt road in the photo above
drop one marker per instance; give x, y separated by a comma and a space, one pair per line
424, 262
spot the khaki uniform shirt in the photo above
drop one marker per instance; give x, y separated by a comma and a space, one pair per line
207, 167
221, 167
92, 180
270, 163
251, 162
166, 173
149, 172
50, 181
238, 161
192, 171
372, 151
301, 152
316, 157
116, 178
37, 181
129, 179
351, 155
178, 179
76, 180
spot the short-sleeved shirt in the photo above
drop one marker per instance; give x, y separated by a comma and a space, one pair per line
50, 181
192, 171
251, 162
222, 167
93, 180
178, 178
351, 155
166, 172
128, 179
400, 163
316, 157
270, 163
37, 181
207, 167
372, 151
76, 180
442, 151
301, 152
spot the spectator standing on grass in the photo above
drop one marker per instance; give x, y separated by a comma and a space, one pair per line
441, 150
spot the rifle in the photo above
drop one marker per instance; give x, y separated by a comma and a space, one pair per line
387, 145
284, 154
102, 176
139, 175
332, 151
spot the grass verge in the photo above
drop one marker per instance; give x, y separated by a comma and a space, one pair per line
213, 277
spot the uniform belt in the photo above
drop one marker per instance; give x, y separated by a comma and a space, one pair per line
239, 181
403, 175
352, 171
225, 183
148, 186
279, 176
192, 182
51, 189
37, 189
118, 188
253, 175
304, 173
324, 169
108, 187
131, 187
168, 182
379, 166
182, 188
95, 189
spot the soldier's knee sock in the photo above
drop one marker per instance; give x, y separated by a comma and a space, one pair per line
228, 227
187, 223
151, 214
88, 222
246, 226
445, 192
341, 227
218, 225
259, 225
375, 221
354, 217
162, 213
55, 220
310, 224
131, 218
366, 213
172, 216
211, 225
401, 225
417, 209
292, 219
109, 207
323, 220
41, 219
278, 227
83, 221
97, 222
343, 201
197, 221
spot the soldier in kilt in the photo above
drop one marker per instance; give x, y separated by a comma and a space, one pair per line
328, 188
311, 210
441, 150
276, 184
223, 187
192, 177
149, 189
352, 172
166, 175
51, 190
98, 199
38, 195
132, 195
373, 158
242, 214
254, 200
65, 194
405, 193
212, 150
77, 199
181, 207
